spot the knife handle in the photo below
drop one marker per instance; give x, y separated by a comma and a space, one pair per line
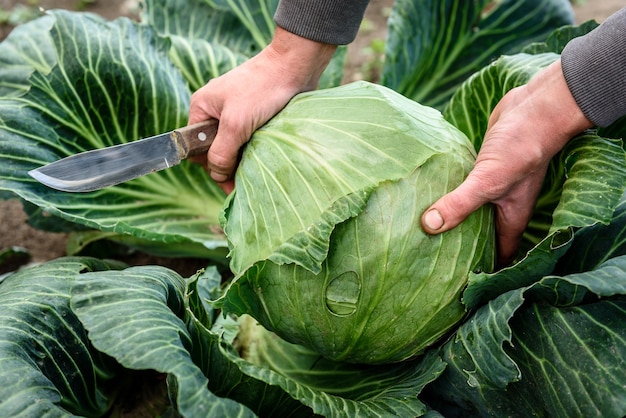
195, 139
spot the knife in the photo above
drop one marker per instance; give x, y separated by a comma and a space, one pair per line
100, 168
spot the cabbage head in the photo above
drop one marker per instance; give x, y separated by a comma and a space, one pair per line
324, 226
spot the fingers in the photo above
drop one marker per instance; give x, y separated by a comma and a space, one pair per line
509, 231
223, 156
513, 212
233, 131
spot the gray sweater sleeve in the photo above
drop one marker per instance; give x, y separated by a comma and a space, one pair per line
594, 66
330, 21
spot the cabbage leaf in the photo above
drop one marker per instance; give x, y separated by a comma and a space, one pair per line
135, 317
434, 46
106, 89
564, 335
149, 318
45, 354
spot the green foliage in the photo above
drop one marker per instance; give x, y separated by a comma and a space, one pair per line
45, 353
434, 46
19, 14
543, 336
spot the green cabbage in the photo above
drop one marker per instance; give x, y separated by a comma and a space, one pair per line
324, 229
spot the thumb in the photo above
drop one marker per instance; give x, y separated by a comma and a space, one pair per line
453, 208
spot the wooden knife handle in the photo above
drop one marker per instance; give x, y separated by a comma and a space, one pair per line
195, 139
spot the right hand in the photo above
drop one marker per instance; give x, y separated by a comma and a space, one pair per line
526, 129
246, 97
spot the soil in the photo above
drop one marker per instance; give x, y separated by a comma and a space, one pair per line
363, 62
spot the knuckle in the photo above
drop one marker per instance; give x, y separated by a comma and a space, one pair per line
220, 163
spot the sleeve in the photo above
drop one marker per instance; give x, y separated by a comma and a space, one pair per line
594, 66
329, 21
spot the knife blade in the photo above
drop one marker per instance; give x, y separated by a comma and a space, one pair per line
104, 167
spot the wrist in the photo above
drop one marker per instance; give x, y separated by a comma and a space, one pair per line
555, 106
302, 60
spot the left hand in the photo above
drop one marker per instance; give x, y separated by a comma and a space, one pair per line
246, 97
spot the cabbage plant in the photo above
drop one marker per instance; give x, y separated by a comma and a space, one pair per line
73, 330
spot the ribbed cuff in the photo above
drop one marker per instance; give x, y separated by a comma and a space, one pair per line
327, 21
594, 67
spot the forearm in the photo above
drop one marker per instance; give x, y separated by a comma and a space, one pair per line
594, 66
326, 21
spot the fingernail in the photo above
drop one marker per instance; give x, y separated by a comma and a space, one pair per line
218, 177
433, 219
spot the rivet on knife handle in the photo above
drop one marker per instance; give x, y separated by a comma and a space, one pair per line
195, 139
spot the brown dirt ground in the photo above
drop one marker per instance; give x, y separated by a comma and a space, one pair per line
14, 231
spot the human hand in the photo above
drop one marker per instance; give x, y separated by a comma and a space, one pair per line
248, 96
526, 129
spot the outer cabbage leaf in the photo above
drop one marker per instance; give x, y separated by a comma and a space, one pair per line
200, 20
434, 46
483, 287
200, 61
275, 378
536, 347
45, 354
593, 171
150, 318
475, 354
135, 316
210, 37
256, 16
28, 48
324, 225
213, 351
113, 83
79, 242
567, 339
596, 244
556, 41
227, 375
334, 388
206, 42
591, 334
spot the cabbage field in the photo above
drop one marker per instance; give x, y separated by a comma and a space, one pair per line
321, 295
